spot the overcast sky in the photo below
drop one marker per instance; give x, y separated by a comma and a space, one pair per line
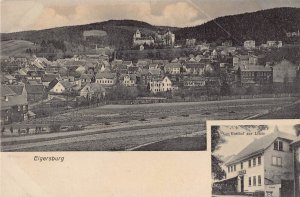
19, 15
235, 143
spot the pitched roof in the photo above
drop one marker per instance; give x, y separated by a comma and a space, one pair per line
173, 65
6, 91
66, 84
34, 89
106, 75
18, 89
95, 87
260, 145
13, 101
255, 68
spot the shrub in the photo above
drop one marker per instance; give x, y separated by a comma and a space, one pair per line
107, 123
54, 128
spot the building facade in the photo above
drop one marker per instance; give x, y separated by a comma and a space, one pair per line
265, 166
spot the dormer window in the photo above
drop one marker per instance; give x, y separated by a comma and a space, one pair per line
278, 145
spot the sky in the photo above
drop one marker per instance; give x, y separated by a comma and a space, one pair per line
235, 143
21, 15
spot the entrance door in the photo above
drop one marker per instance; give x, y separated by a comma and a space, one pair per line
287, 188
242, 184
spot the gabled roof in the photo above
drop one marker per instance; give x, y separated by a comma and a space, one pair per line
106, 75
173, 65
6, 91
260, 145
95, 87
66, 84
13, 101
131, 76
86, 76
255, 68
35, 89
49, 77
18, 89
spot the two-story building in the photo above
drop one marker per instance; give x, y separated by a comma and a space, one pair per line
161, 85
265, 166
255, 74
14, 106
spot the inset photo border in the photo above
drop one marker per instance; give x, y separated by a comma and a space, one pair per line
258, 157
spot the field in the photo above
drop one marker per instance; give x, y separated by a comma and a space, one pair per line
15, 47
175, 126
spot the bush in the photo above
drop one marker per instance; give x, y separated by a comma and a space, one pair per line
185, 115
142, 119
54, 128
163, 117
107, 123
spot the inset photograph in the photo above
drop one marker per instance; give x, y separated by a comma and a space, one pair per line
256, 160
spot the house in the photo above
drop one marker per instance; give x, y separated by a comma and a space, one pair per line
194, 68
255, 74
249, 44
107, 79
14, 107
62, 87
265, 165
139, 39
86, 78
8, 79
190, 42
173, 68
194, 82
272, 44
47, 78
296, 152
91, 90
161, 85
128, 79
36, 92
284, 72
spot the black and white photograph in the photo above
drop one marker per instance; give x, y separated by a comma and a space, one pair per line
143, 75
256, 159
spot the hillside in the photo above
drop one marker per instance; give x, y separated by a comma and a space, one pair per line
16, 48
261, 26
119, 33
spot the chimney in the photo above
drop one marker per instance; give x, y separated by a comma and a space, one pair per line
276, 130
297, 129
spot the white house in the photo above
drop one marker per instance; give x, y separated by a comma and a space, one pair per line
161, 85
249, 44
265, 165
106, 78
62, 87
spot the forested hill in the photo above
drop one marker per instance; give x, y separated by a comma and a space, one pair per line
271, 24
261, 26
118, 32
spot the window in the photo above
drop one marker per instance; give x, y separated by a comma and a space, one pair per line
254, 162
259, 160
254, 181
249, 163
278, 145
276, 161
259, 180
249, 181
234, 167
228, 169
241, 165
